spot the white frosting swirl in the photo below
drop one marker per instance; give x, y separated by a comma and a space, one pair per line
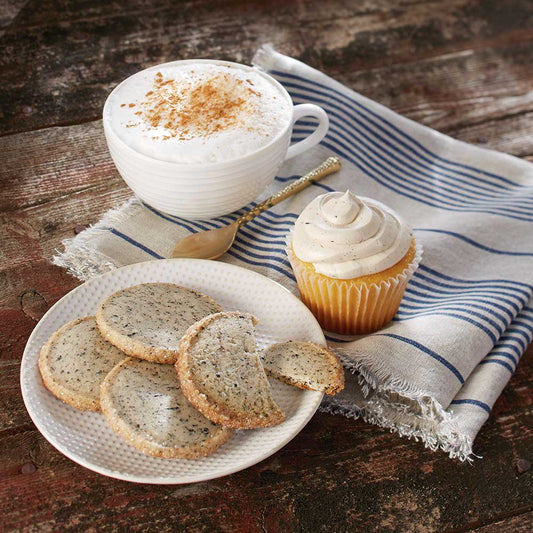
346, 237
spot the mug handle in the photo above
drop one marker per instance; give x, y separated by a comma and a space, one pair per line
308, 110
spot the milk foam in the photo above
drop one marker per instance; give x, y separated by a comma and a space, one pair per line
197, 112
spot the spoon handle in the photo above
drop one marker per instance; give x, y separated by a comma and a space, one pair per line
330, 165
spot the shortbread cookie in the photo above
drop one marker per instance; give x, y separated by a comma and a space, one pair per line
305, 365
143, 403
74, 362
148, 320
221, 375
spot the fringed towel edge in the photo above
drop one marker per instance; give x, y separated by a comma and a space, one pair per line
429, 422
79, 256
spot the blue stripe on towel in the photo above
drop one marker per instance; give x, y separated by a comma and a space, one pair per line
257, 234
497, 362
179, 222
523, 328
489, 333
436, 310
135, 243
511, 336
483, 405
255, 223
256, 253
428, 301
514, 284
426, 350
505, 344
509, 295
505, 355
462, 294
260, 263
476, 244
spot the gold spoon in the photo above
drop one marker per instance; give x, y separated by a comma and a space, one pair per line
213, 243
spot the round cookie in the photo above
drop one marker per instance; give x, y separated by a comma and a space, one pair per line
74, 362
148, 320
143, 403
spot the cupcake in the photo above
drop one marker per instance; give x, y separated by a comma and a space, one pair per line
352, 257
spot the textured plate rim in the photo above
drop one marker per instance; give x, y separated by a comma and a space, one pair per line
159, 480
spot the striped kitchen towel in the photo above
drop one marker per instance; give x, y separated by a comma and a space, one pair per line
436, 370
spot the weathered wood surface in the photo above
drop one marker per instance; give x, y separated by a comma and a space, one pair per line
460, 66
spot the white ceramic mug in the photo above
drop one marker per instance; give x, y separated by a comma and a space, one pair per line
206, 190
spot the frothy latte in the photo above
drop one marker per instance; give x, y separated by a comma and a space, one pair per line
197, 112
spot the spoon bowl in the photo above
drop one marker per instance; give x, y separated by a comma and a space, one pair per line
208, 244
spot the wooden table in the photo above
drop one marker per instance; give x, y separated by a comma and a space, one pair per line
460, 66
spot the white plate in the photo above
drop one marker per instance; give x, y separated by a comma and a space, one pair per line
86, 438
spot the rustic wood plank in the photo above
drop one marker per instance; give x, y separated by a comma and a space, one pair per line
60, 63
38, 280
38, 230
419, 30
13, 414
54, 163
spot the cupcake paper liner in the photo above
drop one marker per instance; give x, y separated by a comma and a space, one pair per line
351, 307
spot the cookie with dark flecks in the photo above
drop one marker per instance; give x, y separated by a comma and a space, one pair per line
305, 365
148, 320
221, 374
74, 362
143, 404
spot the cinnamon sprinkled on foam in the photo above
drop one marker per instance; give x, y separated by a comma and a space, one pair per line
197, 108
